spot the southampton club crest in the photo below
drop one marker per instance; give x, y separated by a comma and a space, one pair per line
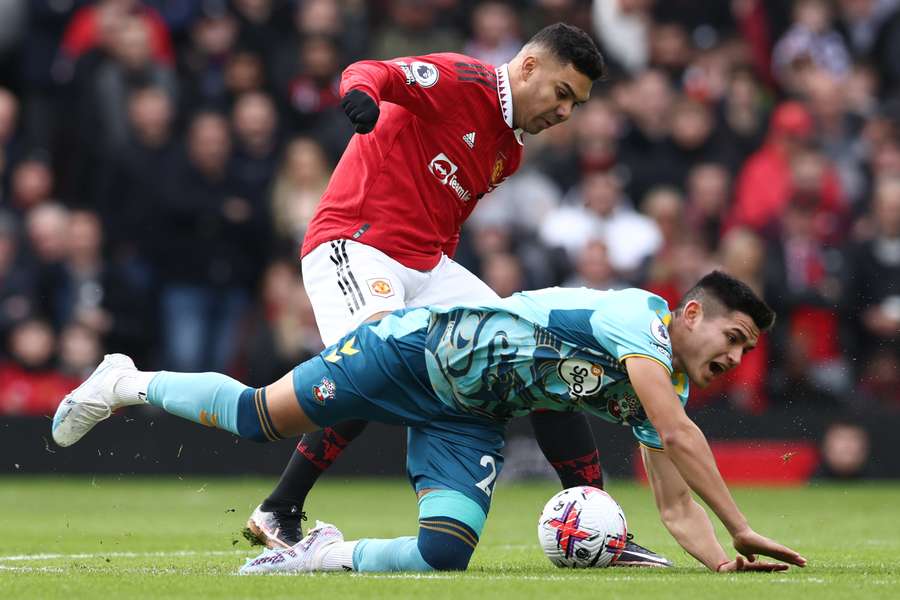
324, 391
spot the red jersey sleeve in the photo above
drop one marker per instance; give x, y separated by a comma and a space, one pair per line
424, 85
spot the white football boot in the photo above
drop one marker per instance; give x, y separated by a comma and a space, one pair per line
92, 401
275, 529
303, 557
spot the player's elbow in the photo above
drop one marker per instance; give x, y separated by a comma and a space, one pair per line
679, 436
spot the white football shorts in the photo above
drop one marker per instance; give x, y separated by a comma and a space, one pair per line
348, 282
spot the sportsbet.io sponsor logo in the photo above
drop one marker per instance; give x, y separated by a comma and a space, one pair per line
583, 377
445, 170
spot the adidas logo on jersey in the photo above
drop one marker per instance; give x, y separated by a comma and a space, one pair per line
469, 139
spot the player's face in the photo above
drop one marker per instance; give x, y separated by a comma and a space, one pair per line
714, 345
550, 93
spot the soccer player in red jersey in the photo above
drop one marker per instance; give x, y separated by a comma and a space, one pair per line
436, 133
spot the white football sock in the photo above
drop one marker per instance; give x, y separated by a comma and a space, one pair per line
132, 388
337, 557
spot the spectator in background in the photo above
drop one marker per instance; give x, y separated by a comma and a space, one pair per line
17, 281
495, 33
624, 27
600, 211
244, 72
412, 30
811, 42
31, 184
804, 286
312, 97
346, 22
521, 204
80, 348
202, 62
282, 329
257, 146
670, 48
595, 147
708, 200
692, 140
845, 452
257, 28
871, 29
647, 101
503, 273
769, 178
206, 252
82, 288
132, 66
593, 269
46, 226
91, 24
9, 139
837, 130
135, 181
299, 184
742, 116
871, 300
29, 381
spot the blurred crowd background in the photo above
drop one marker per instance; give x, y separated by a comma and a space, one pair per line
160, 160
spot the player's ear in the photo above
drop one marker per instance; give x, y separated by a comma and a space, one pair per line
692, 313
529, 66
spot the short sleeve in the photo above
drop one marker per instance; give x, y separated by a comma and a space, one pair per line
637, 325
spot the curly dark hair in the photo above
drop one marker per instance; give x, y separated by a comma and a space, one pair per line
734, 295
572, 45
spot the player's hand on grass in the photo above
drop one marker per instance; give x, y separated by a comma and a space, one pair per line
742, 564
361, 109
749, 543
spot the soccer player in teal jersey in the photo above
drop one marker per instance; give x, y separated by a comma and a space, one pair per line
455, 376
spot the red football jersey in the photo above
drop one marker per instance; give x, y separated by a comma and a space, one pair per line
443, 140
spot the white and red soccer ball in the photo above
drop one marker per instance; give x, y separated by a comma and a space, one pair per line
582, 527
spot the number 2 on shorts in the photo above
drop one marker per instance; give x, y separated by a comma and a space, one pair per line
485, 484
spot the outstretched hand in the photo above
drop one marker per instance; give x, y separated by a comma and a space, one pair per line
742, 564
749, 543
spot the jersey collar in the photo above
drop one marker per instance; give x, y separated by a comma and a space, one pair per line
504, 93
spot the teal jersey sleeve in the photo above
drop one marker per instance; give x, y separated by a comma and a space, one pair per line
646, 433
634, 322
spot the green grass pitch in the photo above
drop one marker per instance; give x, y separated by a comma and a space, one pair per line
133, 537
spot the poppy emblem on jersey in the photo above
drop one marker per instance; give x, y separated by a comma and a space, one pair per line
324, 391
567, 532
425, 74
583, 377
380, 287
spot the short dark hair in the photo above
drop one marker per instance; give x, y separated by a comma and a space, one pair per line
734, 295
572, 45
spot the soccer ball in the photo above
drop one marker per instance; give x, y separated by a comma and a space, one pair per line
582, 527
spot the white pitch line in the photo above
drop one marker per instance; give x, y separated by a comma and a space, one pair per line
31, 569
27, 557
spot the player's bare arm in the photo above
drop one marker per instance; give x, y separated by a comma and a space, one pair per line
687, 521
687, 448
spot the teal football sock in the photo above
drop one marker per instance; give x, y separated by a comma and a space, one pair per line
398, 554
214, 400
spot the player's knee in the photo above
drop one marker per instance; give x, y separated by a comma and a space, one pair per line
446, 544
449, 526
